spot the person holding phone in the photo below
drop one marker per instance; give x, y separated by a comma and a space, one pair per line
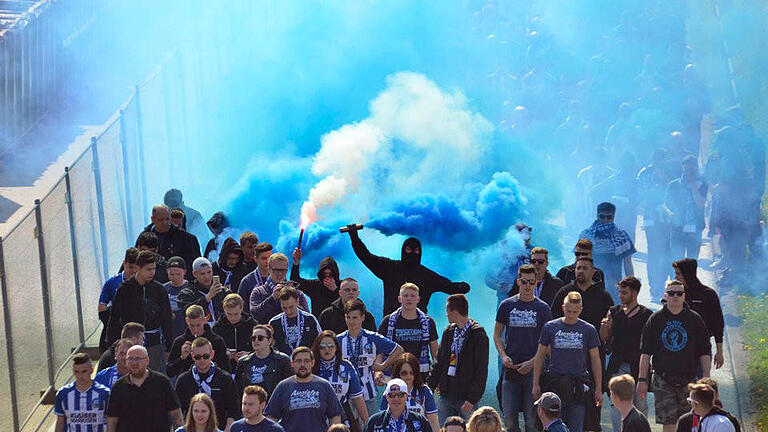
205, 290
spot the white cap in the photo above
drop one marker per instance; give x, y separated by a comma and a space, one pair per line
200, 263
396, 384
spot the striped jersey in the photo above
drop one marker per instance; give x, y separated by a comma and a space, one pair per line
362, 352
84, 411
107, 377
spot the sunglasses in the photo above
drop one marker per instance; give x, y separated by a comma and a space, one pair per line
201, 356
538, 261
398, 395
675, 293
605, 216
259, 338
527, 281
327, 346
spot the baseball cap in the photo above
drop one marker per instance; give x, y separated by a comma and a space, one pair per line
548, 401
177, 262
396, 384
200, 263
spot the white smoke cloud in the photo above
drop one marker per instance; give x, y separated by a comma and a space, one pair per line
417, 135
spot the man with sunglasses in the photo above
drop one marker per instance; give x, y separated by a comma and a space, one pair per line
206, 377
613, 247
396, 417
676, 339
567, 274
519, 321
546, 284
264, 366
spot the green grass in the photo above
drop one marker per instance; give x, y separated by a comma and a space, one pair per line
755, 311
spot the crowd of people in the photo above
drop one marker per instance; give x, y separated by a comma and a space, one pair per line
241, 346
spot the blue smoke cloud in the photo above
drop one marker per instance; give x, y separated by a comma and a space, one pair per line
443, 222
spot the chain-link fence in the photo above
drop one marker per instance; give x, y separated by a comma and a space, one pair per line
55, 260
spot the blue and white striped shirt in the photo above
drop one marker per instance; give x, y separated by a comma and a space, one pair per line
84, 411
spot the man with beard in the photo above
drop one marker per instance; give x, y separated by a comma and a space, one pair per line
143, 400
595, 302
613, 247
394, 273
173, 241
567, 274
203, 291
324, 289
143, 300
620, 331
304, 402
253, 404
546, 284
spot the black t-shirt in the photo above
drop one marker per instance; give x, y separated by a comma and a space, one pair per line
142, 408
635, 421
408, 334
627, 332
596, 302
675, 341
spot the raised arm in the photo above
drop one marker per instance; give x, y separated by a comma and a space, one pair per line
376, 264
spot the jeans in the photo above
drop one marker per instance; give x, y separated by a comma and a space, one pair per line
658, 262
516, 397
683, 244
447, 407
640, 403
573, 416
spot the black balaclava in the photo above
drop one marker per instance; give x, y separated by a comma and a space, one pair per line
411, 259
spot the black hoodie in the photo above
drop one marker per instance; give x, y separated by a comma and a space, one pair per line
394, 273
217, 222
314, 288
230, 277
236, 336
701, 298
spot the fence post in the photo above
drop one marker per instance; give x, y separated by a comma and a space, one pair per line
100, 207
75, 268
45, 295
8, 341
126, 178
142, 170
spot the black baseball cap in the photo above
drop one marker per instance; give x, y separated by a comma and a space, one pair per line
177, 262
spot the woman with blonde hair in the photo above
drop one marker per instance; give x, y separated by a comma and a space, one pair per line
201, 416
484, 419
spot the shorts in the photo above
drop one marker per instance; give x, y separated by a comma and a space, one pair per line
670, 401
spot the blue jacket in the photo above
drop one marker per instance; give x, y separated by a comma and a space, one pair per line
557, 426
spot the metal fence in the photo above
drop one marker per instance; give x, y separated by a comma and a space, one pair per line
33, 66
55, 260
